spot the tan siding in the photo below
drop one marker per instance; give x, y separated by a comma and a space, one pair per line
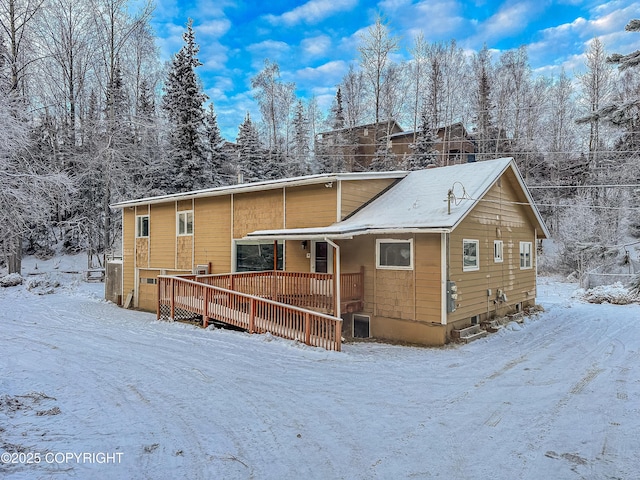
128, 251
185, 205
162, 235
495, 218
185, 252
148, 293
142, 252
357, 193
296, 258
311, 206
257, 211
428, 270
212, 233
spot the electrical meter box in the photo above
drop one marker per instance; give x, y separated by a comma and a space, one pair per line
452, 296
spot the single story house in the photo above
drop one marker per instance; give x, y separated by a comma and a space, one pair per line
436, 249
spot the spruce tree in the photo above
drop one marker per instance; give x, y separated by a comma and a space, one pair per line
183, 102
424, 152
337, 112
250, 160
218, 159
301, 161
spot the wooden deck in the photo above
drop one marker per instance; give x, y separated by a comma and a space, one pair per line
264, 302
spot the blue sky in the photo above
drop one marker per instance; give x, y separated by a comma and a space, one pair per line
315, 41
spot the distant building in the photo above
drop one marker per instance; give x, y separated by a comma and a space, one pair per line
359, 144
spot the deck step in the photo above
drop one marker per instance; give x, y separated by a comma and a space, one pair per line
469, 334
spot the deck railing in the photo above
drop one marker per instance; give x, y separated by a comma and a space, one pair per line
303, 289
179, 297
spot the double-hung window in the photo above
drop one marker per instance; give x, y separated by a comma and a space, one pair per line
525, 255
142, 226
185, 222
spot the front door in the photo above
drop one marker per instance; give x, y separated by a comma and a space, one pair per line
322, 258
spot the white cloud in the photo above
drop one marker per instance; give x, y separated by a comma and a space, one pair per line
331, 70
316, 46
213, 28
509, 20
268, 46
436, 18
313, 11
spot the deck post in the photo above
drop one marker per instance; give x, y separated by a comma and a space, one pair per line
159, 300
173, 300
307, 329
205, 307
252, 315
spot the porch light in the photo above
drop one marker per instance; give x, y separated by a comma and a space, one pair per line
303, 244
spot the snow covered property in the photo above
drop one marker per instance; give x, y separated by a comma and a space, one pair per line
555, 396
400, 256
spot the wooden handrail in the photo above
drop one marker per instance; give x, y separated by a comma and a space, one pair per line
250, 312
303, 289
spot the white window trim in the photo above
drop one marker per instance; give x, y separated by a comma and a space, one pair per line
394, 240
530, 266
138, 217
186, 214
476, 267
498, 251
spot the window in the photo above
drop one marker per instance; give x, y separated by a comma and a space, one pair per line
470, 252
525, 255
185, 223
257, 257
498, 248
394, 254
142, 226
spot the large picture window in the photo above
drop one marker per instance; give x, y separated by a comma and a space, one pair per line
525, 255
185, 222
257, 256
394, 254
142, 226
470, 255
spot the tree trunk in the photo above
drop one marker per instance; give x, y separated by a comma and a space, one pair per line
14, 258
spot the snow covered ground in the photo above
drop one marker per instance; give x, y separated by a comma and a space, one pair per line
89, 390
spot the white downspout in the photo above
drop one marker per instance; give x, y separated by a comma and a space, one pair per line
336, 273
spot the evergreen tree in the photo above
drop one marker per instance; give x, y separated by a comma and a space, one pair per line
148, 152
337, 112
301, 161
183, 102
424, 152
218, 159
385, 160
250, 158
624, 111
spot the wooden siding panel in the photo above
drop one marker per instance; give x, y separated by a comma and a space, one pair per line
142, 252
427, 260
497, 217
148, 292
296, 258
257, 211
185, 253
128, 251
357, 193
162, 235
311, 206
212, 233
185, 205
